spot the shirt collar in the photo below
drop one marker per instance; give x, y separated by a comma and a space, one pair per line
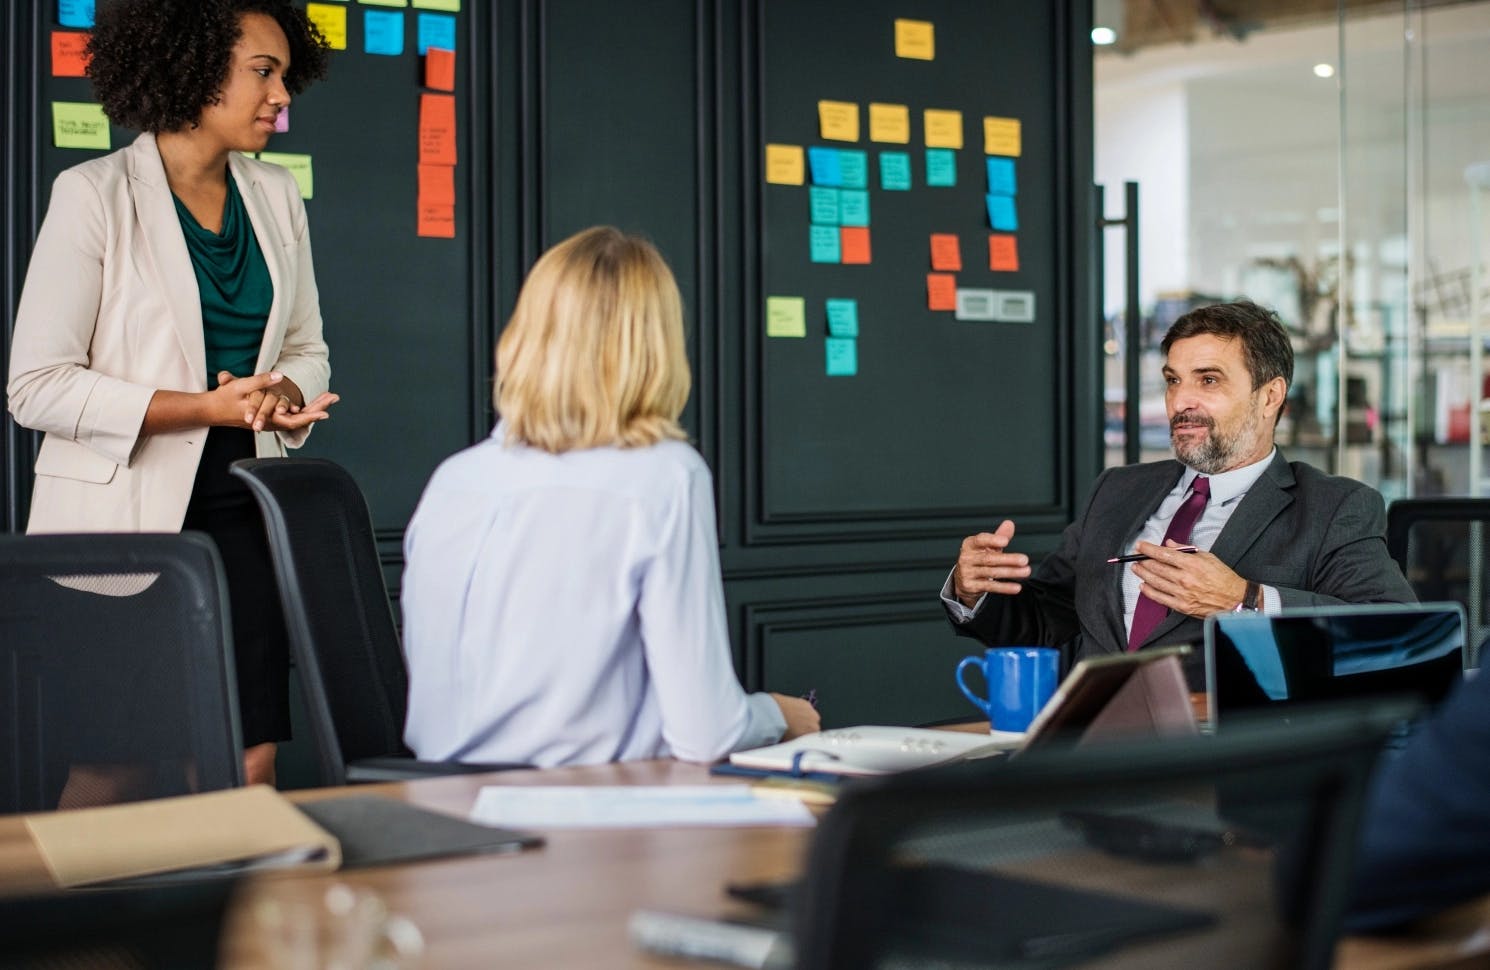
1229, 485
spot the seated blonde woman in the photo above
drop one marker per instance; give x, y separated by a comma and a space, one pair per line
562, 599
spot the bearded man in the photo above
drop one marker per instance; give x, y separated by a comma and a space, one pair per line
1231, 525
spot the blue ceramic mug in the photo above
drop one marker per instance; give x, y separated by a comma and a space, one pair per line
1020, 680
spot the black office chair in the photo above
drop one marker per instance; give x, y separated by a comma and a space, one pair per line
116, 670
1153, 854
1441, 545
340, 622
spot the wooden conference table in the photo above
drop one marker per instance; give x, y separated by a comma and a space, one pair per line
567, 903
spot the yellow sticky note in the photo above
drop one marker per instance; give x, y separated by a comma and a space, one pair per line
839, 120
1001, 137
299, 166
77, 124
332, 22
890, 122
786, 316
784, 164
385, 3
451, 5
915, 39
943, 128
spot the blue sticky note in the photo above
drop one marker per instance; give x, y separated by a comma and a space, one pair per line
1001, 213
843, 317
854, 166
941, 167
1001, 176
825, 166
824, 204
853, 207
436, 30
895, 171
75, 13
825, 244
383, 32
842, 356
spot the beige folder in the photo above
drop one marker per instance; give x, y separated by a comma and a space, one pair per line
243, 827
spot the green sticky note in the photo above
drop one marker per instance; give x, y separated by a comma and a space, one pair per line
853, 165
451, 5
824, 204
843, 317
853, 207
786, 316
385, 3
941, 167
895, 171
299, 166
78, 124
842, 356
824, 245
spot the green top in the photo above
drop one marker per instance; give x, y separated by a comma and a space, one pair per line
234, 284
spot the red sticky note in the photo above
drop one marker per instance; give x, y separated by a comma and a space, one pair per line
437, 129
436, 185
1003, 252
946, 251
437, 221
69, 54
941, 291
439, 69
853, 244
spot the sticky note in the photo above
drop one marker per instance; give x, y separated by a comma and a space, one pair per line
824, 205
437, 129
915, 39
1001, 137
439, 69
853, 207
941, 291
975, 305
839, 120
853, 168
69, 54
943, 128
941, 167
385, 3
299, 166
823, 244
890, 122
79, 125
383, 32
843, 317
827, 168
1001, 176
282, 120
75, 13
786, 316
842, 356
436, 30
946, 252
784, 164
854, 245
451, 5
895, 171
1003, 253
332, 23
435, 221
1001, 213
436, 185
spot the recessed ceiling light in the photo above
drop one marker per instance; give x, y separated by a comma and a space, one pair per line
1324, 70
1102, 36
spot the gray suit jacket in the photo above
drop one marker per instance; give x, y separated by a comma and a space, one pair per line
1316, 538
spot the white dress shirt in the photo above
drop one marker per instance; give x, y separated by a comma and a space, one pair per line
568, 609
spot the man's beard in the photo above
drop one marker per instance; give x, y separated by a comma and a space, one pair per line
1216, 452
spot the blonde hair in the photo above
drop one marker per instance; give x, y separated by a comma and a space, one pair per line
593, 354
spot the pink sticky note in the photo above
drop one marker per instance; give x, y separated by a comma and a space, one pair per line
282, 120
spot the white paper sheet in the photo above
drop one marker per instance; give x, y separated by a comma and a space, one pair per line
632, 806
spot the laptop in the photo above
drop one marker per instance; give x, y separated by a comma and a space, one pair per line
1254, 661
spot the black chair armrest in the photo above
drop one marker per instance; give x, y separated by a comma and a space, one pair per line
365, 770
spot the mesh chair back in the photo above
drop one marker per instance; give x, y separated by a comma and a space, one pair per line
336, 608
1440, 543
116, 670
1153, 854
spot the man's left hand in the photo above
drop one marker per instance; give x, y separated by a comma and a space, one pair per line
1194, 583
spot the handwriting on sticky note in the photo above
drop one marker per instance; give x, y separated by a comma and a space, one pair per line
69, 54
843, 317
941, 291
853, 207
1001, 136
823, 205
299, 166
1001, 176
839, 120
823, 244
946, 252
1003, 253
383, 32
439, 69
435, 221
435, 30
786, 316
941, 168
890, 123
854, 243
784, 164
331, 20
943, 128
1001, 213
436, 185
853, 168
437, 129
79, 125
841, 356
915, 39
826, 166
895, 171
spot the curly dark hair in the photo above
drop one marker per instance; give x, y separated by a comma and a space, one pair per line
157, 63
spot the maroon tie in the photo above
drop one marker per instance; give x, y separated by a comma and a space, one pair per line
1147, 613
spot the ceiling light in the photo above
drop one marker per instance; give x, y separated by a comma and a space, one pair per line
1324, 70
1102, 36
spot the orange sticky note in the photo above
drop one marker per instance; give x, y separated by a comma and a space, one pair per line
853, 244
437, 129
69, 54
946, 251
439, 69
436, 185
941, 291
1003, 252
437, 221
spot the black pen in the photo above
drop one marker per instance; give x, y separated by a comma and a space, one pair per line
1139, 557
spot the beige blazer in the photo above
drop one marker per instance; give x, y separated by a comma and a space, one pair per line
110, 313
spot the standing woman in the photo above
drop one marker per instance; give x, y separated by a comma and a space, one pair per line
170, 324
